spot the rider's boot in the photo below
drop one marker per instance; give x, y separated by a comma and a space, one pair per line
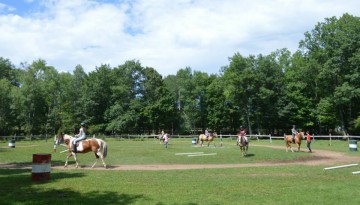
74, 148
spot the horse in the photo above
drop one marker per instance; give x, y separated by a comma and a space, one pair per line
202, 138
289, 141
243, 145
98, 146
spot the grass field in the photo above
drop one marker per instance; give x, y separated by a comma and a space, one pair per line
293, 184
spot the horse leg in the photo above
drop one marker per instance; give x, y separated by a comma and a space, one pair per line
102, 159
288, 145
67, 159
76, 161
97, 158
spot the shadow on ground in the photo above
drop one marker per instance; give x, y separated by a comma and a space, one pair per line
17, 187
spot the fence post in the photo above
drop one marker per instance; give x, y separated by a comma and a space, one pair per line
270, 138
330, 139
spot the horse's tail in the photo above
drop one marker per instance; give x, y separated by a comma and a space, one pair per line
104, 149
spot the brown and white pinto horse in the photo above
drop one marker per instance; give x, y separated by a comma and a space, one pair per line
289, 141
243, 145
209, 139
98, 146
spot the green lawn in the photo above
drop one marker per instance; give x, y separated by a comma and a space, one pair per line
292, 184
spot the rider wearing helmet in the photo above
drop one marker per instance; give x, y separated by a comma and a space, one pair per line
293, 132
207, 133
242, 133
81, 136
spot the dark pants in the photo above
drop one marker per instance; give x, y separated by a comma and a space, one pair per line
308, 145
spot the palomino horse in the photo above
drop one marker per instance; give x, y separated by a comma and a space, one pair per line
209, 139
243, 144
98, 146
289, 141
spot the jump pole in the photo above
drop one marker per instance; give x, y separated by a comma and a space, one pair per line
189, 153
358, 172
342, 166
198, 155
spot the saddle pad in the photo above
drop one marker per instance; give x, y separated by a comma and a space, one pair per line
80, 147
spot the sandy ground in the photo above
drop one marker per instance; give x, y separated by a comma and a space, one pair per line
320, 157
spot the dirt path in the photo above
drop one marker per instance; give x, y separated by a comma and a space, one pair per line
319, 157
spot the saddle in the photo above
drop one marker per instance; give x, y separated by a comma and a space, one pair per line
78, 146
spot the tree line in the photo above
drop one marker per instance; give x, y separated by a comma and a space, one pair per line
317, 88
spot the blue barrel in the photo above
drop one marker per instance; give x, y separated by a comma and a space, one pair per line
193, 141
353, 145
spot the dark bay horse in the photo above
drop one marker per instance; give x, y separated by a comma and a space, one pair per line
98, 146
202, 138
243, 144
289, 141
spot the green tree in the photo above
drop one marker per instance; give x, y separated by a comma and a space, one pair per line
95, 97
5, 106
332, 51
124, 113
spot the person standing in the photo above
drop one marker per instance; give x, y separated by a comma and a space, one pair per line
79, 137
308, 140
166, 140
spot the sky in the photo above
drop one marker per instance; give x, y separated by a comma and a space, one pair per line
167, 35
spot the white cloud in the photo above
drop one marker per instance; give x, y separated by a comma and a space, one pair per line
165, 35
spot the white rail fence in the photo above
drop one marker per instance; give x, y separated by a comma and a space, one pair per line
221, 136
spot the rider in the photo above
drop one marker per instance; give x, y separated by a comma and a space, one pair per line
81, 136
166, 140
293, 132
207, 133
242, 134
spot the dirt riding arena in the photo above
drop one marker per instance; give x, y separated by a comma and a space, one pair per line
320, 157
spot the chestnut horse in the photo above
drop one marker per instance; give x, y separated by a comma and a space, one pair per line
244, 146
209, 139
289, 141
98, 146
